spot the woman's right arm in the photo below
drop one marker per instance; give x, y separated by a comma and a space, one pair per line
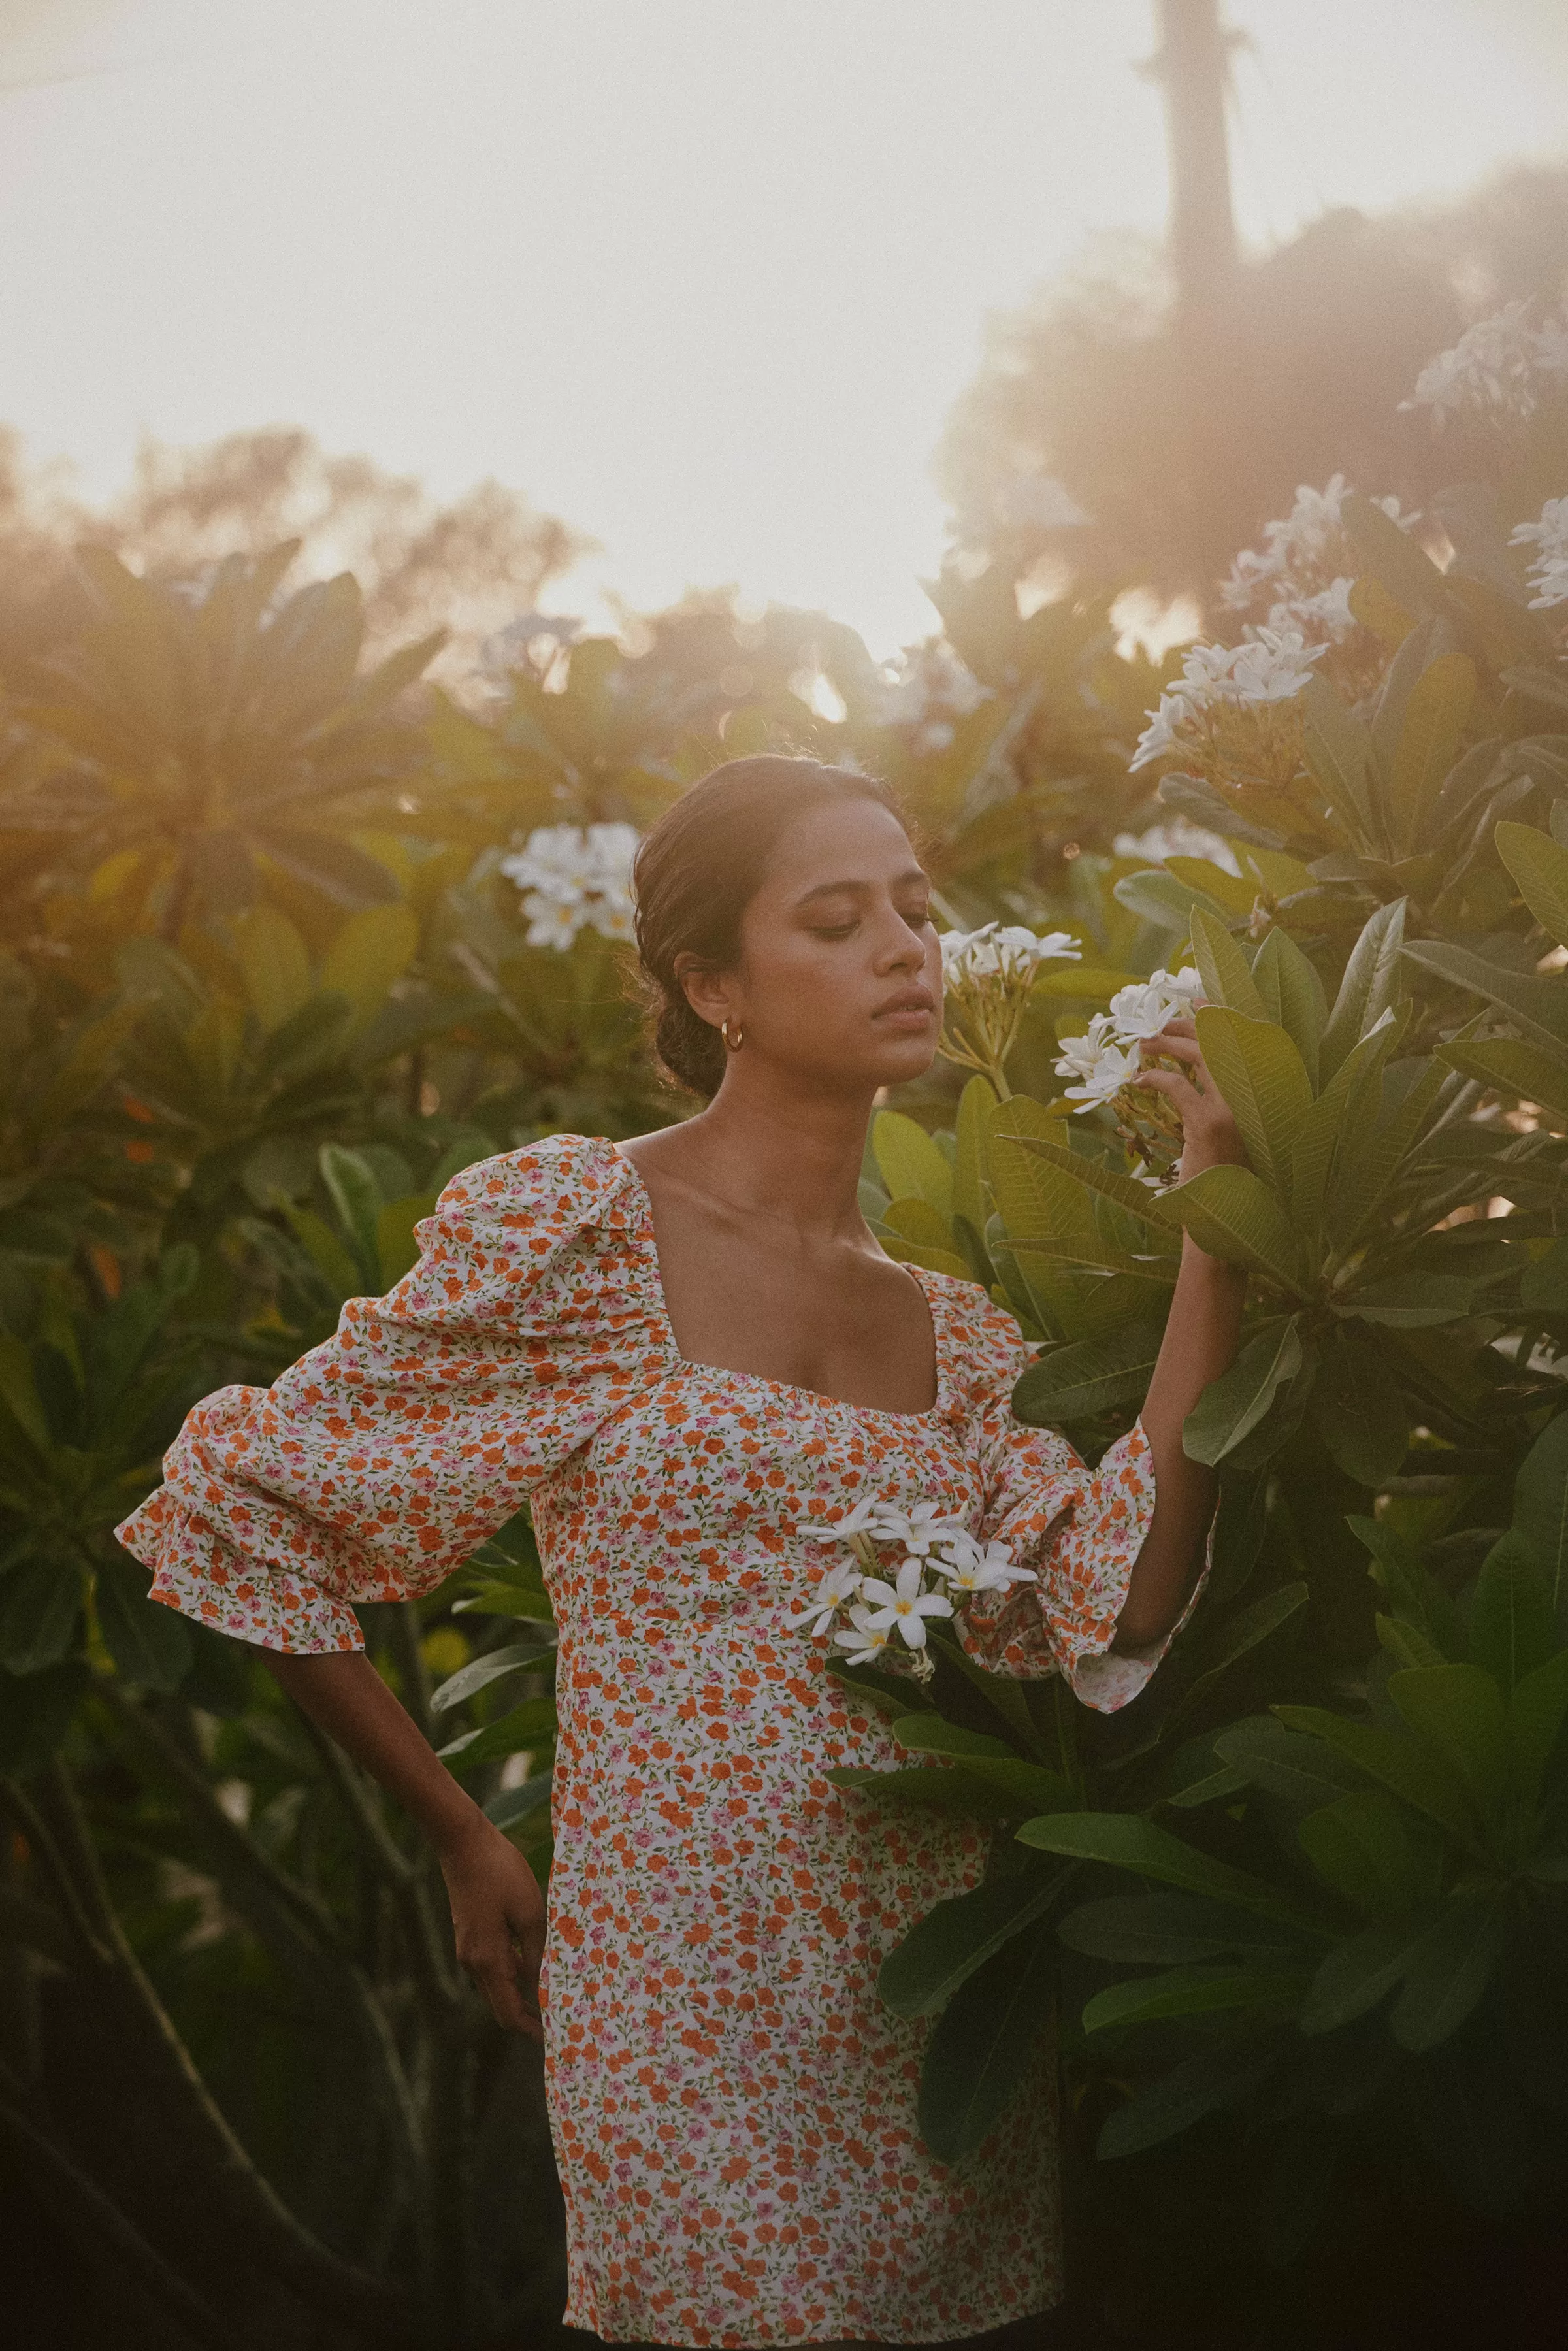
498, 1909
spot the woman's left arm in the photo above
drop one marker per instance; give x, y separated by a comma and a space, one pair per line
1199, 1344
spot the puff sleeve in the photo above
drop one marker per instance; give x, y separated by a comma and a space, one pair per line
1080, 1529
382, 1458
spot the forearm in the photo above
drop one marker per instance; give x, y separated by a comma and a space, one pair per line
1199, 1344
345, 1697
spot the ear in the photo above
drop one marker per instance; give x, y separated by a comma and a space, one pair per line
706, 991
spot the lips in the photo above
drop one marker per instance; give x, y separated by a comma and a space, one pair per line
913, 1000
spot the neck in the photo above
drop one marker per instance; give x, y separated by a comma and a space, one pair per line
783, 1148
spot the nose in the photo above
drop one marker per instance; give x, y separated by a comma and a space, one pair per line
899, 948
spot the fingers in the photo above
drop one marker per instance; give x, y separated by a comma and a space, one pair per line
508, 1982
1189, 1103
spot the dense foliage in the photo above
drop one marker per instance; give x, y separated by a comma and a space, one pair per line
269, 976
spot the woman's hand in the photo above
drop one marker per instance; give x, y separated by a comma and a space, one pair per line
498, 1920
1210, 1137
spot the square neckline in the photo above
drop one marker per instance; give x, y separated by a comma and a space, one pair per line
645, 1234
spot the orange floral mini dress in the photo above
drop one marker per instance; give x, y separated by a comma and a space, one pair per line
732, 2108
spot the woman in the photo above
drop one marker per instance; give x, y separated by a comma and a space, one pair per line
689, 1351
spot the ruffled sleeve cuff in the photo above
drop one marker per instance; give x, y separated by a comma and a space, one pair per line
1082, 1538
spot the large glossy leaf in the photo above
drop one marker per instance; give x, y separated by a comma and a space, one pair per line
373, 949
1204, 1989
1421, 1778
1292, 996
1354, 1976
151, 1644
944, 1949
1540, 1005
1223, 968
1234, 1216
1301, 1772
1107, 1182
975, 1106
1338, 749
1236, 1637
1512, 1628
912, 1165
1540, 866
1535, 1718
1449, 1969
1414, 1596
1349, 1101
1369, 987
1259, 1071
1231, 1407
469, 1680
1360, 1846
1124, 1841
1224, 2076
948, 1788
1541, 1506
1167, 1930
36, 1712
1407, 1302
276, 965
532, 1724
1435, 712
40, 1604
1088, 1377
1024, 1786
1458, 1712
1358, 1410
986, 2044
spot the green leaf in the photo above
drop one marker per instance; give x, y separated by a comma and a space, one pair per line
1169, 1930
36, 1712
1435, 712
1227, 2076
1292, 996
1541, 1506
975, 1106
276, 963
1415, 1597
1423, 1780
1354, 1976
373, 949
1259, 1622
357, 1198
149, 1643
1360, 1846
1337, 748
1449, 1969
1459, 1713
1199, 1991
1535, 1718
1088, 1377
1231, 1407
1223, 968
514, 1805
1303, 1773
1035, 1193
1262, 1077
944, 1949
529, 1602
18, 1391
1540, 1005
1108, 1182
986, 2044
470, 1679
1124, 1841
912, 1165
1358, 1412
1169, 900
1233, 1216
532, 1724
1368, 989
1408, 1302
1391, 555
1511, 1626
1540, 866
1025, 1787
40, 1604
947, 1787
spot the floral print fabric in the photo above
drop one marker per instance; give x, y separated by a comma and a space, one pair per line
733, 2109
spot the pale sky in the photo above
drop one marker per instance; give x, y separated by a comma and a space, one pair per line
702, 276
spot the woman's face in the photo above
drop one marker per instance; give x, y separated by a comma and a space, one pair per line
840, 973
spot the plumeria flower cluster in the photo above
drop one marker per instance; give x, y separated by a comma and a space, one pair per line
1302, 576
871, 1609
1549, 570
1499, 371
1233, 715
927, 688
986, 976
1104, 1063
575, 878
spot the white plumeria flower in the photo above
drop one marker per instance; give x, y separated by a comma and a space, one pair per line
902, 1606
972, 1567
1268, 666
1549, 571
575, 878
916, 1528
1151, 1005
998, 952
1177, 836
1100, 1067
840, 1584
863, 1638
1499, 367
856, 1521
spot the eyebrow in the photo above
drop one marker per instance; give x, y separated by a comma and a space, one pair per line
914, 873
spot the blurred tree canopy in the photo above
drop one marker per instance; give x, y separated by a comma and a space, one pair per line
1321, 341
466, 566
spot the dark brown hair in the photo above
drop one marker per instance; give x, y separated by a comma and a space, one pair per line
698, 869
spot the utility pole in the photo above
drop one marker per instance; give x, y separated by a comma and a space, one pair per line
1193, 66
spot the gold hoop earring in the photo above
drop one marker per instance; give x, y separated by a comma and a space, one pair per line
737, 1040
